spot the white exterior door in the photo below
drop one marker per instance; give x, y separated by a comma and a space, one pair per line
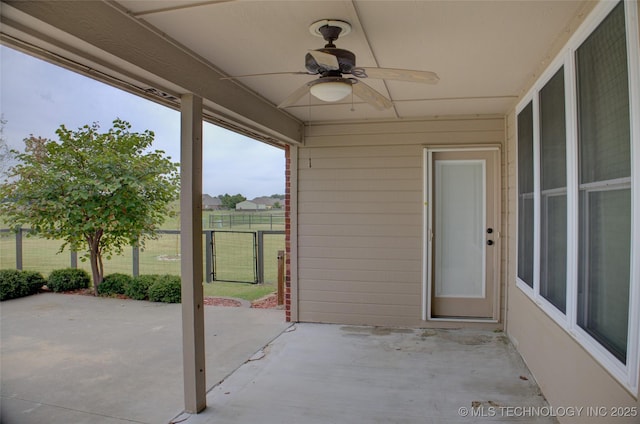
462, 237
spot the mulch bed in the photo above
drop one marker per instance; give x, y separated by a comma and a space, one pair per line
220, 301
267, 302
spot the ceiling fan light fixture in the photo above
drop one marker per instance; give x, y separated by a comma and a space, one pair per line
331, 91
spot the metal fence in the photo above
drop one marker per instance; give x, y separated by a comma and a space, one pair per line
251, 221
23, 250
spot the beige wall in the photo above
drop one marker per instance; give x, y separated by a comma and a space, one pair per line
360, 213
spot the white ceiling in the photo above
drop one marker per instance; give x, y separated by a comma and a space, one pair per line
483, 51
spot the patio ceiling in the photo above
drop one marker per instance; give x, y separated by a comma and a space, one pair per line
485, 52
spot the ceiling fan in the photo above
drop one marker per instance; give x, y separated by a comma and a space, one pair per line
338, 74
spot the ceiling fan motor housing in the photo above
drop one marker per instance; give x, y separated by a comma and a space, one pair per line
346, 61
330, 63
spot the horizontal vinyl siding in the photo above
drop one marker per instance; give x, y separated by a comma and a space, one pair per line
398, 254
360, 212
445, 125
313, 278
364, 286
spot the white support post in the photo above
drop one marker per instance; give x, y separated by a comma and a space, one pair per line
193, 344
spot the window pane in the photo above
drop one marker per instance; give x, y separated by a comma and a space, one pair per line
603, 101
525, 150
553, 208
525, 195
553, 254
460, 224
553, 146
525, 239
605, 205
603, 292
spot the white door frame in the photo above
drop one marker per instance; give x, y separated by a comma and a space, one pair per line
427, 260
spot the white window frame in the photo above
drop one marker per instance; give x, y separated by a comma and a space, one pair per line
626, 374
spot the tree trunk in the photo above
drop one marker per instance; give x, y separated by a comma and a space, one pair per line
95, 259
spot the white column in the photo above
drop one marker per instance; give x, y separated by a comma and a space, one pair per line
193, 354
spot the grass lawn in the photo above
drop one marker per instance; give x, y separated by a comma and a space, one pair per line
159, 256
239, 290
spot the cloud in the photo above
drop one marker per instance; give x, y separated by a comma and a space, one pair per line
235, 164
38, 97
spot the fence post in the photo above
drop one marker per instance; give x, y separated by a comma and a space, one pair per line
19, 249
280, 277
136, 259
260, 256
208, 248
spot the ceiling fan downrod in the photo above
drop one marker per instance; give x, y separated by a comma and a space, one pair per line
330, 34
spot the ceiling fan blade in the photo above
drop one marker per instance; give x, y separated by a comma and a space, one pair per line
325, 60
294, 97
371, 96
400, 75
265, 74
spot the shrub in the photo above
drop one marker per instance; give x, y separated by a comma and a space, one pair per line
166, 289
12, 284
34, 281
68, 279
114, 284
15, 283
138, 288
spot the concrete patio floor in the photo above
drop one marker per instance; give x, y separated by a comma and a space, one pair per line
321, 374
80, 359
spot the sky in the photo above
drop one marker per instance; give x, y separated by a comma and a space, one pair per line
36, 97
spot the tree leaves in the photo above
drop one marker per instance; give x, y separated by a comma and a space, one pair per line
104, 190
229, 201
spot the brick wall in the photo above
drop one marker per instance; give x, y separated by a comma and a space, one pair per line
287, 221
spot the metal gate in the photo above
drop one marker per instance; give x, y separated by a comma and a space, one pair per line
234, 256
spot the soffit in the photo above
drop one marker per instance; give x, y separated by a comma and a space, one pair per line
485, 52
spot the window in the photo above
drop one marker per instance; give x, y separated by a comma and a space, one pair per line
525, 195
576, 211
553, 198
605, 184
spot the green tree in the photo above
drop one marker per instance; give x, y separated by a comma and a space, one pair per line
101, 190
229, 201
